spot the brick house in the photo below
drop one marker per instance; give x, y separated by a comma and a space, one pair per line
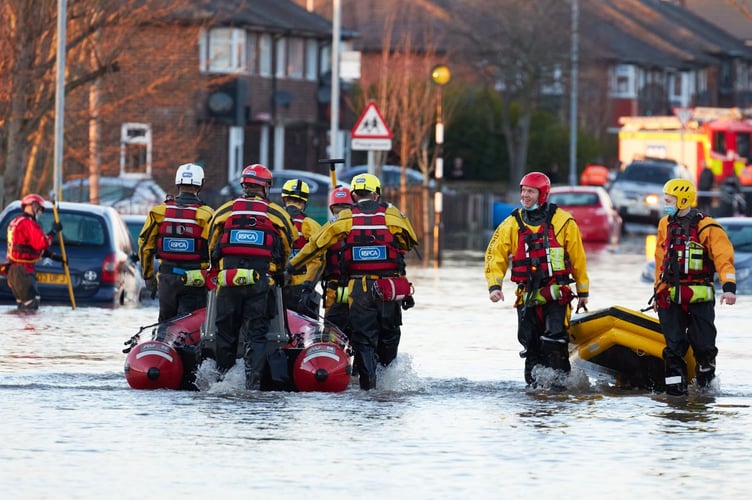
242, 84
636, 57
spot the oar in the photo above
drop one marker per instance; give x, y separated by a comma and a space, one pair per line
65, 257
332, 168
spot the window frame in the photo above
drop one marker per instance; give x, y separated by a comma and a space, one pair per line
142, 139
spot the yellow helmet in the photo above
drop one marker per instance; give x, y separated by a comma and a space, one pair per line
684, 190
295, 188
366, 182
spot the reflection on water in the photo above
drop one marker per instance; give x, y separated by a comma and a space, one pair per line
450, 419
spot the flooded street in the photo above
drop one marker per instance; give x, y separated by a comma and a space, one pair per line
451, 419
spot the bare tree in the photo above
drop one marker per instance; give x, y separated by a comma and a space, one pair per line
400, 83
517, 46
99, 34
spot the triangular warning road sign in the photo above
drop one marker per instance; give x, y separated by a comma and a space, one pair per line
371, 125
683, 114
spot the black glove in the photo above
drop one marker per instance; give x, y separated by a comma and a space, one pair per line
153, 286
408, 302
306, 288
56, 228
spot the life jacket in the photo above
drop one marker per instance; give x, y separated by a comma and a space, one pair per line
540, 259
335, 263
248, 231
18, 251
300, 242
686, 261
179, 238
370, 247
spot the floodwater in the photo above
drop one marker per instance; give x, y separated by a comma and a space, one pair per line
450, 420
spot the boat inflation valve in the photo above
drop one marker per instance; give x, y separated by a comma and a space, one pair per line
321, 375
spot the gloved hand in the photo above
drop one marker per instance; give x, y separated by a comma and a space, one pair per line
306, 288
153, 286
286, 276
56, 228
309, 297
408, 302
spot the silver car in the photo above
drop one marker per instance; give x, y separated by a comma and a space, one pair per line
637, 192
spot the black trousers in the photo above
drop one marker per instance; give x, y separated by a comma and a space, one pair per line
247, 311
545, 341
375, 330
175, 298
694, 327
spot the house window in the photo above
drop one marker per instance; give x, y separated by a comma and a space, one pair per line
326, 60
135, 150
295, 58
622, 80
265, 55
312, 59
252, 53
223, 50
280, 65
702, 80
676, 86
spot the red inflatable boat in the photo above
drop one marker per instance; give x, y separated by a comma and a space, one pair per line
318, 356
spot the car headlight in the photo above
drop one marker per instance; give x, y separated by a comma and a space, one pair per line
652, 200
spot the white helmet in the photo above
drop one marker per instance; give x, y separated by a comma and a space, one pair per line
190, 174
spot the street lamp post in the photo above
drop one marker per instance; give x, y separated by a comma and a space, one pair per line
440, 75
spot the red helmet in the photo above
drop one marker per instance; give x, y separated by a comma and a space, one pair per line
539, 181
32, 198
256, 174
340, 196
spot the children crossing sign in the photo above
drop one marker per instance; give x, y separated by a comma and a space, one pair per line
371, 133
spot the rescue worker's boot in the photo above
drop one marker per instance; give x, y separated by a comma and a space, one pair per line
30, 305
365, 358
255, 356
556, 355
705, 372
387, 353
676, 374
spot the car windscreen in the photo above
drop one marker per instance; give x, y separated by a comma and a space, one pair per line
740, 236
574, 199
652, 174
79, 229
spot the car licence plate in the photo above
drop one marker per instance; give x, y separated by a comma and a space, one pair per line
51, 279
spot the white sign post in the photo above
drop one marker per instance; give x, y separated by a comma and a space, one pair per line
371, 133
683, 114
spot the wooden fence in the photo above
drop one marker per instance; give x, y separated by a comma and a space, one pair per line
466, 219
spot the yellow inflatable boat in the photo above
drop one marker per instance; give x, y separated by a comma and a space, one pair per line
621, 346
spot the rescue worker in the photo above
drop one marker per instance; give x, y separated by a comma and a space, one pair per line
28, 244
745, 179
249, 241
336, 310
543, 246
300, 294
376, 236
176, 232
690, 248
731, 201
705, 186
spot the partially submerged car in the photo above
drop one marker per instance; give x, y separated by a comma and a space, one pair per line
126, 195
101, 257
596, 216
